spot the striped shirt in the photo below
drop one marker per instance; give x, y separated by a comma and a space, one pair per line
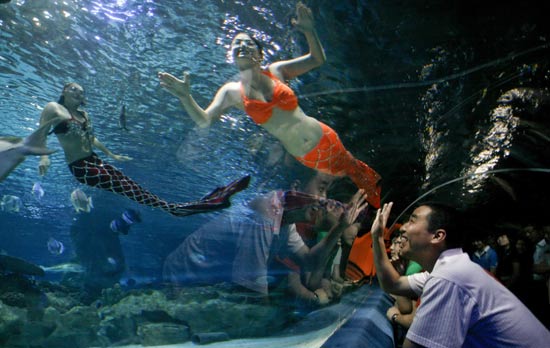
462, 306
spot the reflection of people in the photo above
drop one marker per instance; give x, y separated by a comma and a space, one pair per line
471, 308
246, 249
74, 132
264, 96
98, 250
401, 314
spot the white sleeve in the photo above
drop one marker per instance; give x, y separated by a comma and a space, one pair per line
417, 281
295, 241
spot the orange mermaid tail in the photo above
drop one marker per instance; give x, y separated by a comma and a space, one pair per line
331, 157
368, 179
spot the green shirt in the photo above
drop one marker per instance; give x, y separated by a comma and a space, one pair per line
412, 268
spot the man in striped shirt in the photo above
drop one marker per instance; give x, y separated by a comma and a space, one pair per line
461, 305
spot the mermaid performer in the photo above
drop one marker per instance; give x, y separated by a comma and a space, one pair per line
264, 96
74, 132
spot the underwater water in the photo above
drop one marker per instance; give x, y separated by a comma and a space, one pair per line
424, 93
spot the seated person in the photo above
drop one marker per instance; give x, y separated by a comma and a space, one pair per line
401, 314
242, 248
324, 276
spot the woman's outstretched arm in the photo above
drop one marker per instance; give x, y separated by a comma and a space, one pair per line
108, 152
181, 88
289, 69
50, 115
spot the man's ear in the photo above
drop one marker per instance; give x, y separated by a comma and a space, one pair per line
439, 236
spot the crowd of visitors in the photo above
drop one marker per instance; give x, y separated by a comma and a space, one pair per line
520, 259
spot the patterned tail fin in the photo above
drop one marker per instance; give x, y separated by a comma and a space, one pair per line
367, 179
215, 200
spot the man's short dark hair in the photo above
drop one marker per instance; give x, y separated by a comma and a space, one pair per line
448, 218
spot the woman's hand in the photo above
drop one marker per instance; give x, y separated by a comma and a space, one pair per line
43, 165
381, 220
179, 88
121, 158
304, 21
357, 204
322, 297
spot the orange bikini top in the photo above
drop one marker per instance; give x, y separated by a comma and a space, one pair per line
283, 98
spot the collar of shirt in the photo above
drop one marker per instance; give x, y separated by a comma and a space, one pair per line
484, 251
445, 256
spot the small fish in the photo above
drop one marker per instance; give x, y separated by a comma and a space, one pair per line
80, 201
130, 282
131, 216
197, 258
111, 261
37, 191
10, 204
69, 267
55, 247
119, 226
122, 118
123, 223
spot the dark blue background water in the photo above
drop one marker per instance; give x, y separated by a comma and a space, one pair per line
409, 86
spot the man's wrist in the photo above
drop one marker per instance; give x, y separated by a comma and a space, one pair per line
394, 317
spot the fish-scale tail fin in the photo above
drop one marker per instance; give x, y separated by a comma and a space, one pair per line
215, 200
367, 179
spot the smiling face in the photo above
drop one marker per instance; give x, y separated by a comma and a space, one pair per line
395, 248
73, 95
245, 50
416, 236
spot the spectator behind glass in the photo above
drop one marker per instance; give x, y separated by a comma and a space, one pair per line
507, 268
462, 305
485, 256
541, 271
523, 263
